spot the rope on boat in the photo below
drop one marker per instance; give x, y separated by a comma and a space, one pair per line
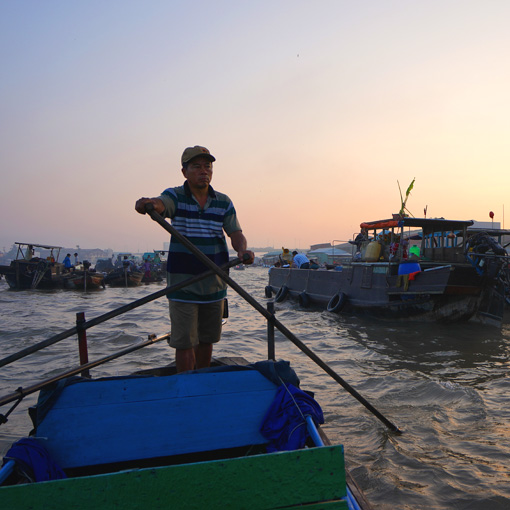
41, 269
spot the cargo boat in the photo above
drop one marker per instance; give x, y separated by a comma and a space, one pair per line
409, 268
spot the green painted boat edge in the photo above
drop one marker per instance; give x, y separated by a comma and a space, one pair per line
276, 480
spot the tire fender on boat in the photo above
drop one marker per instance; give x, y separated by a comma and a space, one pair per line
268, 291
281, 294
337, 302
304, 300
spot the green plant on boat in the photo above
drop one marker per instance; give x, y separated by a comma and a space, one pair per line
403, 201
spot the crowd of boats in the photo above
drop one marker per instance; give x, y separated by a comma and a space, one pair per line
27, 271
93, 435
400, 268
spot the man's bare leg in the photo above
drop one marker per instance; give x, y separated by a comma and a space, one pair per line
203, 355
185, 359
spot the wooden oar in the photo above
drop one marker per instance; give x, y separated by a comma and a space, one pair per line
149, 208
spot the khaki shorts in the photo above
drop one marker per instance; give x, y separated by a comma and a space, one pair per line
193, 323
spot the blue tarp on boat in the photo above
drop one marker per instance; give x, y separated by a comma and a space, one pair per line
284, 424
277, 372
33, 461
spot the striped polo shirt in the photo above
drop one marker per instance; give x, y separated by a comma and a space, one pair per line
204, 228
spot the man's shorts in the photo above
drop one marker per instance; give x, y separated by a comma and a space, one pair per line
193, 323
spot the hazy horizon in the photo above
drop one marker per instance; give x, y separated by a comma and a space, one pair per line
316, 112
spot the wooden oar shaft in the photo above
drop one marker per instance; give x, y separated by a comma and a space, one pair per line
36, 387
109, 315
248, 297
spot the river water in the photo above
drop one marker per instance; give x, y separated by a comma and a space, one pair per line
446, 387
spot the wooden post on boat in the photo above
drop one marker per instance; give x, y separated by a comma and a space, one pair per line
270, 332
82, 342
17, 274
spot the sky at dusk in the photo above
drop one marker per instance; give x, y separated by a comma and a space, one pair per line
315, 111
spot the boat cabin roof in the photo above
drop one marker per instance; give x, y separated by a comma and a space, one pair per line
427, 224
44, 246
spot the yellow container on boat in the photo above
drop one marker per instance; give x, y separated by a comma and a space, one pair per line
373, 252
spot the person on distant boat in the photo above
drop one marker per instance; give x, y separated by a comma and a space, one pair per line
286, 257
29, 253
128, 264
300, 260
76, 261
314, 265
67, 263
360, 239
202, 214
147, 269
276, 264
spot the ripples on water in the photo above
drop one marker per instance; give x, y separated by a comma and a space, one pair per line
446, 387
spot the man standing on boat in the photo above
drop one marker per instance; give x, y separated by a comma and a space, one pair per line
67, 263
201, 214
29, 253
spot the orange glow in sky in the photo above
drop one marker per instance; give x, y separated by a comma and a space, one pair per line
314, 111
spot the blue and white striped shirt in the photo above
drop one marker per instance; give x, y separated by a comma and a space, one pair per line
204, 228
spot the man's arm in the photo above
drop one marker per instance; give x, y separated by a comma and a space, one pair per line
240, 244
159, 207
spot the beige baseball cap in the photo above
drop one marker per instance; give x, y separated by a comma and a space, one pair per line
192, 152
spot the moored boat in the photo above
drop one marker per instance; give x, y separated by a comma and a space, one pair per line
124, 277
84, 279
28, 271
410, 268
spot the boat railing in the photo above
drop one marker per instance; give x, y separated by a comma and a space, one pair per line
84, 367
80, 329
83, 325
